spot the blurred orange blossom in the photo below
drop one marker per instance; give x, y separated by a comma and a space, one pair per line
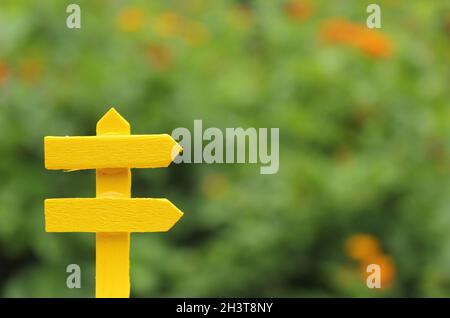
362, 247
365, 249
387, 269
131, 19
4, 72
298, 10
371, 42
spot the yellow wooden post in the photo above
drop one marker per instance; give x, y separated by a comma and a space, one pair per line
112, 272
112, 215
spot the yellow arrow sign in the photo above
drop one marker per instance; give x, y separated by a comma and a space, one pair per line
110, 215
113, 215
110, 151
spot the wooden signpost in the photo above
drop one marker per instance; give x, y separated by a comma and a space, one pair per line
112, 215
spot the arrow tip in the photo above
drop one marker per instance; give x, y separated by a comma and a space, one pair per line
173, 216
113, 123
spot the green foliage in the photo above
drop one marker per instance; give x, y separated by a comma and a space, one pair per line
364, 143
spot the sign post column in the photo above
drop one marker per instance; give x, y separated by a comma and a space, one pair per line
113, 249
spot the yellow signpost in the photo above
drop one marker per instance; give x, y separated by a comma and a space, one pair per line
112, 215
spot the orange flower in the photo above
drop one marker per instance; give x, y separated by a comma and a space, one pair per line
375, 44
298, 10
30, 70
160, 56
168, 24
131, 19
362, 247
387, 269
214, 185
4, 72
371, 42
340, 30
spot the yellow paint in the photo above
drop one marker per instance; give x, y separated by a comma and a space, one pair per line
109, 151
113, 215
110, 215
112, 270
112, 250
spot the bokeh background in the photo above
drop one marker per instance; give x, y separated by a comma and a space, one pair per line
364, 120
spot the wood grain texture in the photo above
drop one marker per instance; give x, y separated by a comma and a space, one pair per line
110, 151
105, 214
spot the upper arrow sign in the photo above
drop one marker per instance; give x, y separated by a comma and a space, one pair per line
110, 151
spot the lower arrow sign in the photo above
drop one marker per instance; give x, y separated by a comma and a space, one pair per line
110, 215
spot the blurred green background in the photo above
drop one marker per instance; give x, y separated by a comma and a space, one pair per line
364, 120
